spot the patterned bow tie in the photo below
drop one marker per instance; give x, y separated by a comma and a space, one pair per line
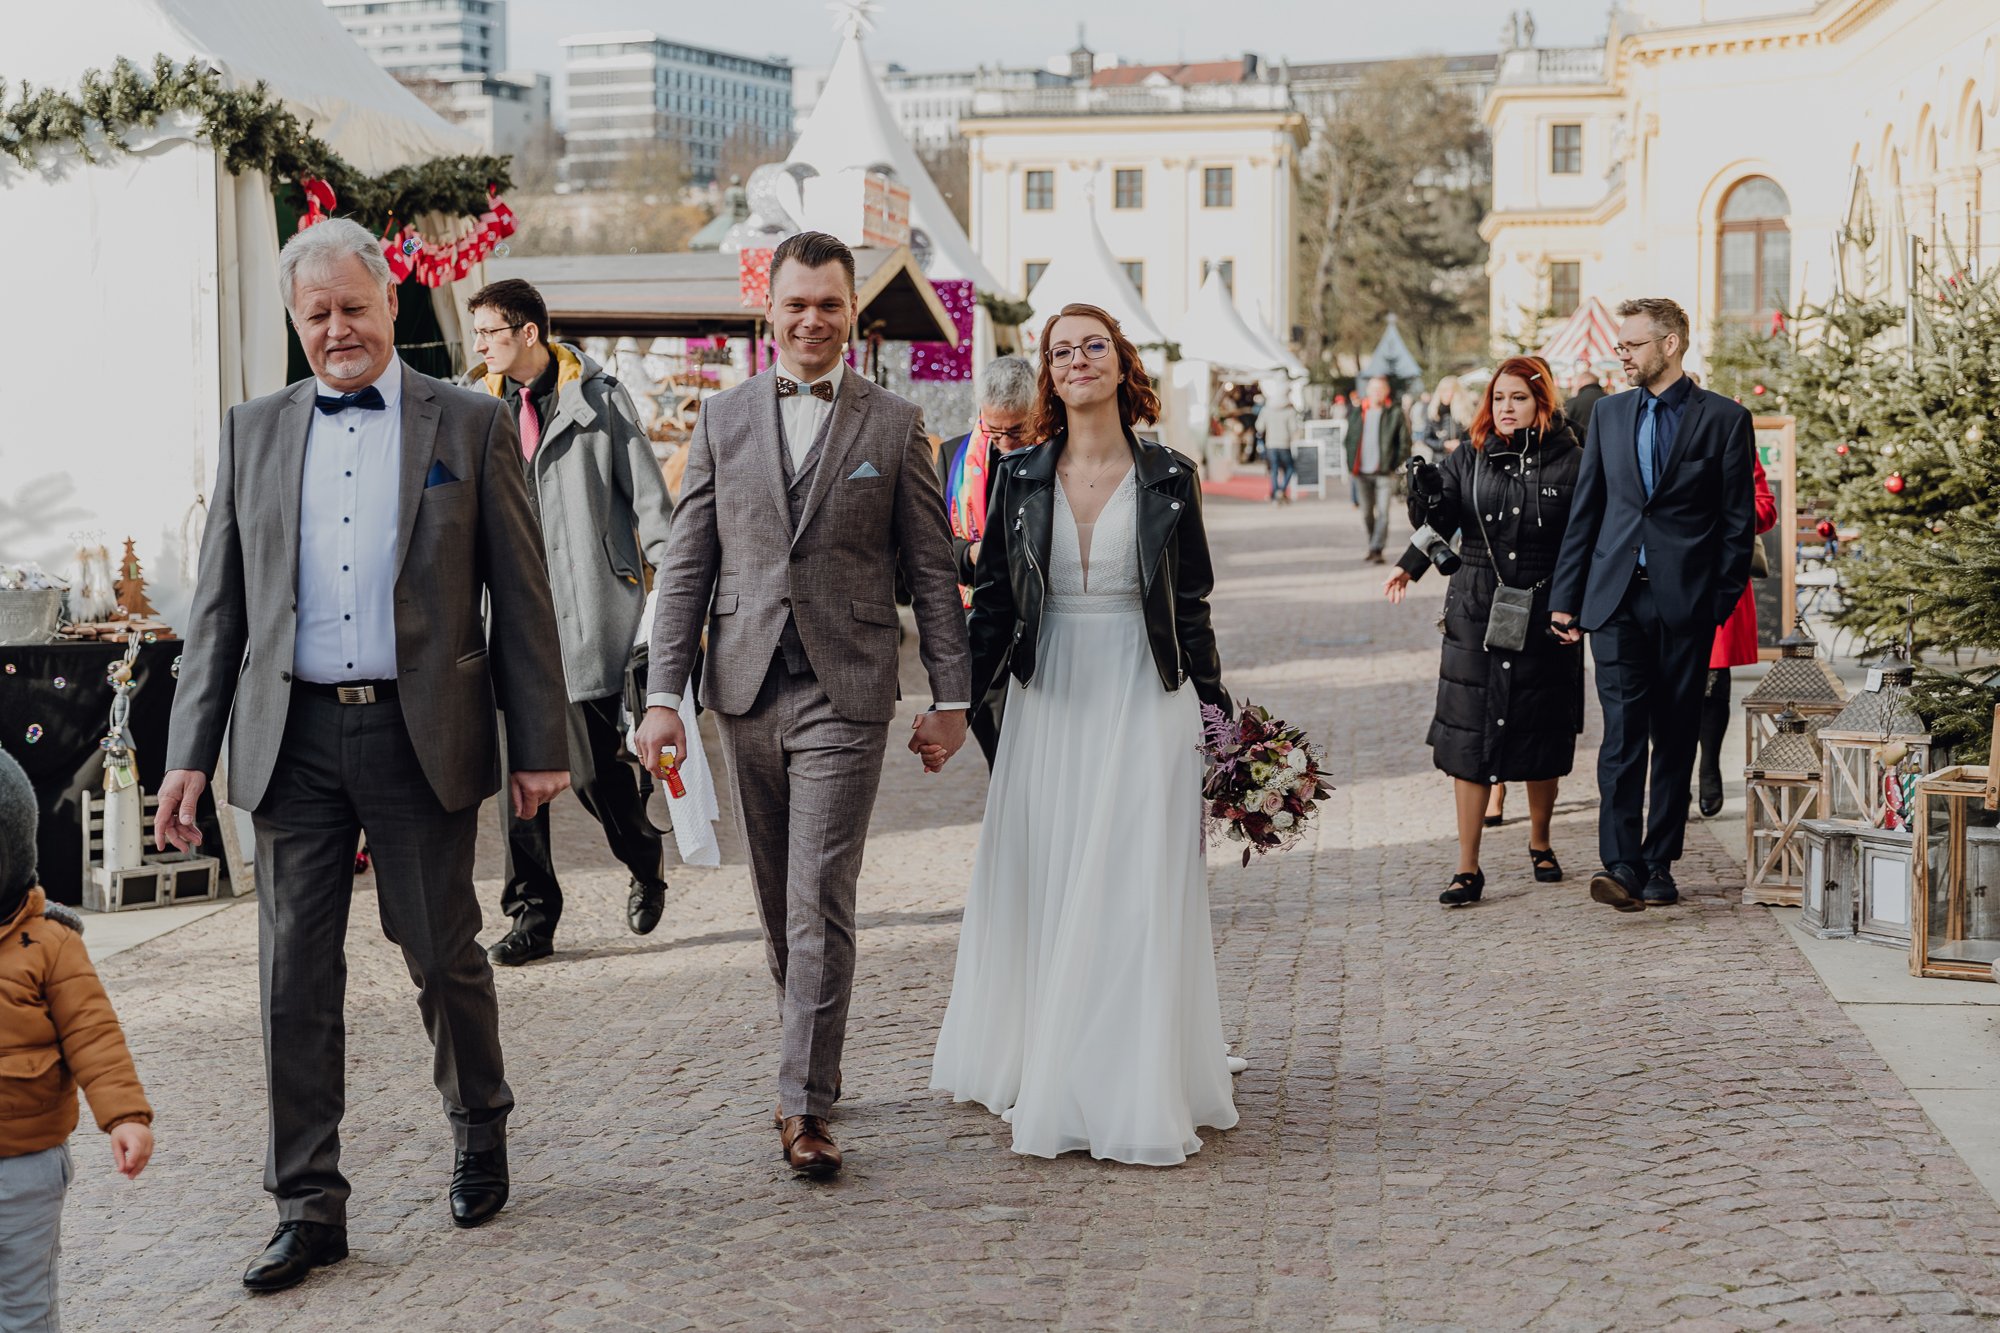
368, 400
820, 389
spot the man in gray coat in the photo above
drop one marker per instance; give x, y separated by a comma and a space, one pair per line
358, 521
604, 512
806, 487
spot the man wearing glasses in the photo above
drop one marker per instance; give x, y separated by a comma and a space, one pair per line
965, 468
603, 506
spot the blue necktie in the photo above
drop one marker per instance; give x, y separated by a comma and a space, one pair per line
369, 399
1647, 462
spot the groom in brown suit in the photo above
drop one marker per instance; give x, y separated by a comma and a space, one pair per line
805, 488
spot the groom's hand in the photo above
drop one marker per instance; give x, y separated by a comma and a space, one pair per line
659, 729
535, 788
173, 821
937, 737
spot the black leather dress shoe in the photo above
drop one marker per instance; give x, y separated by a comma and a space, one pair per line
1616, 886
520, 946
1709, 797
1660, 890
478, 1186
296, 1249
644, 905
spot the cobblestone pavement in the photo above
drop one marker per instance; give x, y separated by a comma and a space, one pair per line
1535, 1113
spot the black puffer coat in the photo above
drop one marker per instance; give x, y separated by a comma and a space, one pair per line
1504, 717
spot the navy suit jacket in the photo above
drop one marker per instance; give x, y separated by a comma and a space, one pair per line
1697, 528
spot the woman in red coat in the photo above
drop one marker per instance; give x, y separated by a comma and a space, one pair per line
1735, 645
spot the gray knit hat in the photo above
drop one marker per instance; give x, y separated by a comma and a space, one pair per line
17, 830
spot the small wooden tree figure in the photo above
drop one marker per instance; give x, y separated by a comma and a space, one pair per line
131, 586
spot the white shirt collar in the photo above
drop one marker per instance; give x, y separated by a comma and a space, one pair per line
389, 384
832, 377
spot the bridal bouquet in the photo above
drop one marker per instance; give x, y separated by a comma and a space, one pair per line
1263, 779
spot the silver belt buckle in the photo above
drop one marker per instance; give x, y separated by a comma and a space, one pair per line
354, 694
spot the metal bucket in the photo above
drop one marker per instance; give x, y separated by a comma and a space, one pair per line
29, 615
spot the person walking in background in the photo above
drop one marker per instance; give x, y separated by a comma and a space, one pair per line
965, 471
1278, 419
604, 513
1586, 390
1508, 709
371, 589
1656, 556
1447, 424
58, 1031
1735, 645
1380, 447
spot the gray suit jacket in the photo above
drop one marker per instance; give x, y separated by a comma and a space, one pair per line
836, 577
455, 542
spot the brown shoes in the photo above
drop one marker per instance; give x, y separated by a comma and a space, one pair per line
809, 1145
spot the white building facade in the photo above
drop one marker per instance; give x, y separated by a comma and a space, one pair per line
428, 39
506, 111
630, 89
1713, 151
1179, 178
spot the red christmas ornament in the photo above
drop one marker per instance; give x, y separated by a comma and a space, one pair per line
1758, 390
1894, 484
1840, 449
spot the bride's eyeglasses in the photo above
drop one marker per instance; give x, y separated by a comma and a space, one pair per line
1094, 348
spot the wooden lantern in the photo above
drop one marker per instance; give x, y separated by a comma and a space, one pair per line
1781, 787
1882, 886
1800, 681
1874, 750
1955, 898
1832, 866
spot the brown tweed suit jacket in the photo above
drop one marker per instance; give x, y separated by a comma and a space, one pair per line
732, 553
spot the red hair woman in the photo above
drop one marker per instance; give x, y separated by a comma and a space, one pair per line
1510, 696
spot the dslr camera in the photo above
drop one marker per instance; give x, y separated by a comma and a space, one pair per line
1436, 549
1426, 494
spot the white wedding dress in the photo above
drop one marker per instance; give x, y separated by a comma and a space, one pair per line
1084, 1007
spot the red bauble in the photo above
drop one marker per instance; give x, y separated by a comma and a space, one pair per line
1840, 449
1758, 390
1894, 484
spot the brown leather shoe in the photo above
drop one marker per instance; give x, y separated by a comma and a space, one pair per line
809, 1145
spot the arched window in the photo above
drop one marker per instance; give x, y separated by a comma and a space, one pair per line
1756, 252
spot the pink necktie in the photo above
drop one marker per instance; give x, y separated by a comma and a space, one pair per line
531, 426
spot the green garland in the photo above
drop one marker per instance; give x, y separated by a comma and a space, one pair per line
251, 129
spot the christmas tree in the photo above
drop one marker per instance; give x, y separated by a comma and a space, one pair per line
131, 585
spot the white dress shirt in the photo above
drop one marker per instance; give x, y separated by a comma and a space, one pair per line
802, 415
348, 508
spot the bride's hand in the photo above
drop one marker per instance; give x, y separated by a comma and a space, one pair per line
1397, 586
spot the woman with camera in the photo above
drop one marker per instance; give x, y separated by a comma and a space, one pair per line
1510, 694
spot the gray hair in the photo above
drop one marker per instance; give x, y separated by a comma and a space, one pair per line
325, 244
1008, 384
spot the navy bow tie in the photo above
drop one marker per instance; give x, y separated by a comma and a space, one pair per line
368, 400
820, 389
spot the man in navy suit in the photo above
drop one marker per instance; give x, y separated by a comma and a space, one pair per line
1656, 555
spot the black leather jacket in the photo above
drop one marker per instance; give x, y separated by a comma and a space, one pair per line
1175, 576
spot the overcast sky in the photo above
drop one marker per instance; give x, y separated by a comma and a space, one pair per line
959, 34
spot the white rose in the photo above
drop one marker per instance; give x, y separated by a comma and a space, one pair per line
1283, 819
1297, 761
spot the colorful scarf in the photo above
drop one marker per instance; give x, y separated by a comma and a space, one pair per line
966, 495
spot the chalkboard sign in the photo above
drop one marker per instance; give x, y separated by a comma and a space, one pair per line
1318, 453
1777, 596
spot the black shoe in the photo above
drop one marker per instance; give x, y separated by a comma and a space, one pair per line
1495, 821
1465, 889
296, 1249
1548, 870
478, 1186
1711, 794
519, 946
644, 905
1660, 890
1616, 886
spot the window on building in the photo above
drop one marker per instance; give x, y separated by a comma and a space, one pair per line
1031, 273
1566, 150
1565, 286
1225, 267
1135, 269
1755, 264
1129, 188
1039, 191
1218, 187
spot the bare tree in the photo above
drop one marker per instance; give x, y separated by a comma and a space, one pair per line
643, 210
950, 169
747, 149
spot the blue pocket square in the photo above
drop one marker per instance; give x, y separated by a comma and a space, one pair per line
440, 474
862, 473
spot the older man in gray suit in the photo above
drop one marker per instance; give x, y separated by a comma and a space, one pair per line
357, 520
805, 488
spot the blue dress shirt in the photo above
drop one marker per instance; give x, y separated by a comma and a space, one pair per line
348, 509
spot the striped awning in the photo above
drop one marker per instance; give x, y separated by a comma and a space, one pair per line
1586, 337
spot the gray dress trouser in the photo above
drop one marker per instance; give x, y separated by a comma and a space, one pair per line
31, 1204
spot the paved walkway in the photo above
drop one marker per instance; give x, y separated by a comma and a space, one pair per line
1535, 1113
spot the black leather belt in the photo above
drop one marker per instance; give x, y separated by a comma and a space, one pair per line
351, 691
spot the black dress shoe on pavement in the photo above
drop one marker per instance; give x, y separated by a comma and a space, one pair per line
478, 1186
1616, 886
521, 946
1548, 870
1660, 890
644, 905
1710, 793
1466, 886
296, 1249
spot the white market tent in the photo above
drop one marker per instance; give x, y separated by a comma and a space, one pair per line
1587, 338
851, 128
1392, 357
1088, 272
149, 280
1213, 330
1263, 330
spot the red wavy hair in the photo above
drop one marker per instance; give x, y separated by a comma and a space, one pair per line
1535, 373
1137, 401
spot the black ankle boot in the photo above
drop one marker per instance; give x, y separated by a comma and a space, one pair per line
1465, 889
1714, 726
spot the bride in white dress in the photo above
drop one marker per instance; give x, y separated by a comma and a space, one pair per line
1083, 1008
